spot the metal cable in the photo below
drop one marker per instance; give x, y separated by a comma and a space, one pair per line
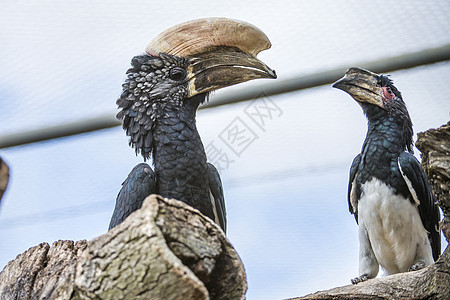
276, 87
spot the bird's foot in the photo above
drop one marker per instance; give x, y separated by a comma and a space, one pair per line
417, 266
359, 279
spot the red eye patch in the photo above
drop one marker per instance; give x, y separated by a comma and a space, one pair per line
387, 93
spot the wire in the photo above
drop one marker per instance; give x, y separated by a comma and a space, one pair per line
102, 206
54, 215
389, 64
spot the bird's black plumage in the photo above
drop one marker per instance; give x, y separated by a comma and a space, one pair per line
215, 185
160, 121
428, 210
139, 184
386, 160
158, 109
386, 138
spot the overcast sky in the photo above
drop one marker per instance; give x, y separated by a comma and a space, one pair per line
285, 191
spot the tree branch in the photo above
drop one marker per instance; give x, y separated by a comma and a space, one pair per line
4, 177
435, 147
165, 250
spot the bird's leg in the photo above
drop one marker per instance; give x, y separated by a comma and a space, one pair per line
368, 264
359, 279
423, 257
417, 266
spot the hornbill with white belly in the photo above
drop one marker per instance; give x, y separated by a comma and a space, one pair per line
388, 191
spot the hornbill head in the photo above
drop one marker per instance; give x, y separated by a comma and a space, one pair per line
182, 65
378, 97
368, 87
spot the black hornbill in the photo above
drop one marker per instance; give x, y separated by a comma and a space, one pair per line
158, 106
388, 192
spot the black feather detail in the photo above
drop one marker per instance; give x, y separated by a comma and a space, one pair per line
160, 122
428, 209
148, 140
139, 184
399, 110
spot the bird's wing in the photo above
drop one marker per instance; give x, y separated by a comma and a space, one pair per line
139, 184
421, 193
215, 185
351, 194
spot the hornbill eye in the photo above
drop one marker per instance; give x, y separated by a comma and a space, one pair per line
177, 74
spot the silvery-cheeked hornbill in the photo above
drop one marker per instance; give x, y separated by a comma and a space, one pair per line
388, 192
158, 105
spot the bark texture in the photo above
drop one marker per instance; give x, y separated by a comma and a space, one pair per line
4, 177
432, 282
165, 250
435, 147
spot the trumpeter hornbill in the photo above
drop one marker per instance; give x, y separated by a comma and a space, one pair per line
388, 192
158, 105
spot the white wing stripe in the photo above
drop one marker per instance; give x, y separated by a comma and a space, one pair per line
213, 202
353, 198
409, 184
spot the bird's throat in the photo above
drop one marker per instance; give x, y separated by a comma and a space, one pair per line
179, 157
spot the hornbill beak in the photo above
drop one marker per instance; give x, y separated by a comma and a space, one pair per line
222, 52
362, 85
223, 66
